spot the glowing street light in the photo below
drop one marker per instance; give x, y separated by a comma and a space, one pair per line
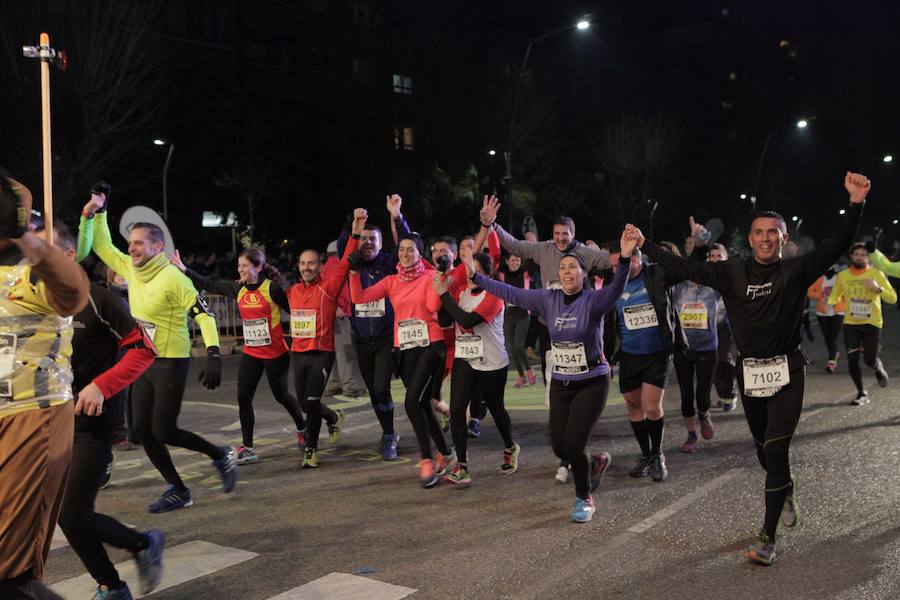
887, 158
802, 123
492, 152
795, 218
743, 196
896, 221
159, 142
842, 211
583, 24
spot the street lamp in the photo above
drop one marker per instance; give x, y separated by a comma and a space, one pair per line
159, 142
165, 178
802, 123
887, 158
842, 211
492, 152
581, 25
743, 196
795, 218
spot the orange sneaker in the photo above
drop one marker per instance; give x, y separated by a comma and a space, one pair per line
426, 473
443, 463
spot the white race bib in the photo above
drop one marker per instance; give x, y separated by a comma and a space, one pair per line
860, 308
641, 316
693, 315
763, 377
370, 310
7, 363
303, 323
569, 358
470, 347
256, 332
412, 333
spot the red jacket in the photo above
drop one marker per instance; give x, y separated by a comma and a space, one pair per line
313, 307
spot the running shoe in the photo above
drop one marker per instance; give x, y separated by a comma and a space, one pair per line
642, 468
532, 378
658, 469
510, 459
562, 475
334, 429
245, 455
474, 428
862, 397
443, 462
762, 551
310, 458
790, 514
729, 404
830, 366
388, 447
880, 374
426, 474
149, 561
707, 430
171, 499
459, 475
227, 467
119, 593
301, 440
691, 445
107, 476
599, 463
583, 511
520, 382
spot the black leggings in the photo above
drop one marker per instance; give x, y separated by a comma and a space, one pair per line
85, 529
465, 381
687, 362
772, 423
376, 364
574, 409
723, 378
311, 371
418, 369
515, 330
156, 399
868, 339
249, 374
831, 328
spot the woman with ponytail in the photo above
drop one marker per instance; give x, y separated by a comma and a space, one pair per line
260, 300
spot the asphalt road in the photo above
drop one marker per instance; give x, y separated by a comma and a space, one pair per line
510, 536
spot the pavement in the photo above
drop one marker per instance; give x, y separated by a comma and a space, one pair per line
360, 527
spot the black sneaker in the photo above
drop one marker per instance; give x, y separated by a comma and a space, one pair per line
862, 397
658, 469
107, 476
881, 375
642, 468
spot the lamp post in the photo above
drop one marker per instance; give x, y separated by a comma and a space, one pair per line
581, 25
165, 180
801, 124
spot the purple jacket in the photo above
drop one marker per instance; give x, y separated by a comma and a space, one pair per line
581, 321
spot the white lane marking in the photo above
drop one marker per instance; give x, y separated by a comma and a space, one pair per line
661, 515
343, 586
181, 564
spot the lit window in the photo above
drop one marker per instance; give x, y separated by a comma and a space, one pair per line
404, 138
403, 85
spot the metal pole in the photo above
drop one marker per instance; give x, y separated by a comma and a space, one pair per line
166, 182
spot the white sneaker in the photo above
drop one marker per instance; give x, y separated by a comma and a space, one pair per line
562, 475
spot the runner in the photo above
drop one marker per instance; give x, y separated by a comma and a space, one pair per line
765, 297
102, 330
313, 304
830, 318
420, 340
260, 300
863, 289
580, 384
516, 320
723, 378
160, 297
481, 365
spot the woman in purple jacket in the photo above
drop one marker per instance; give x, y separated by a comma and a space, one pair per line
580, 382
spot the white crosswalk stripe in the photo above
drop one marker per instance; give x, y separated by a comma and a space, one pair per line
343, 586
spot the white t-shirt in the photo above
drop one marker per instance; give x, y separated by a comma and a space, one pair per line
485, 341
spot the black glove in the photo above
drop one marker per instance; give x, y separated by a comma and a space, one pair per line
355, 260
870, 246
14, 210
101, 187
211, 375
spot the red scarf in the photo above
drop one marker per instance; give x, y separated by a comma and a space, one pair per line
410, 273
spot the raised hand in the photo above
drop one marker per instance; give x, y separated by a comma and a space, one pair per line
175, 259
857, 186
439, 284
394, 202
489, 210
634, 232
698, 232
359, 220
629, 240
466, 257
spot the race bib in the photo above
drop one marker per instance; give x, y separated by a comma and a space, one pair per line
149, 328
256, 332
303, 323
569, 358
693, 315
642, 316
763, 377
860, 308
470, 347
7, 363
370, 310
412, 333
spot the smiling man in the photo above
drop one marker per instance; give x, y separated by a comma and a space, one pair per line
765, 296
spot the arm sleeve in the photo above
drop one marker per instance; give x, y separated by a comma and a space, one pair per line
103, 247
817, 261
881, 262
85, 238
888, 293
489, 308
494, 249
360, 295
401, 226
137, 359
280, 297
837, 291
335, 280
527, 299
596, 259
522, 249
342, 241
466, 320
606, 297
223, 288
65, 284
704, 273
197, 307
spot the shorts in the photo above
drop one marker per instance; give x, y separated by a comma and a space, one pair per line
638, 369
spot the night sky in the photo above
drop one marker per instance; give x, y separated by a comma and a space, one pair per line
307, 109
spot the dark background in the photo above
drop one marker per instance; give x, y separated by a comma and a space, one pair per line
295, 112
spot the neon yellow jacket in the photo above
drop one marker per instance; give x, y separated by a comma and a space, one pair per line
881, 262
862, 305
160, 295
